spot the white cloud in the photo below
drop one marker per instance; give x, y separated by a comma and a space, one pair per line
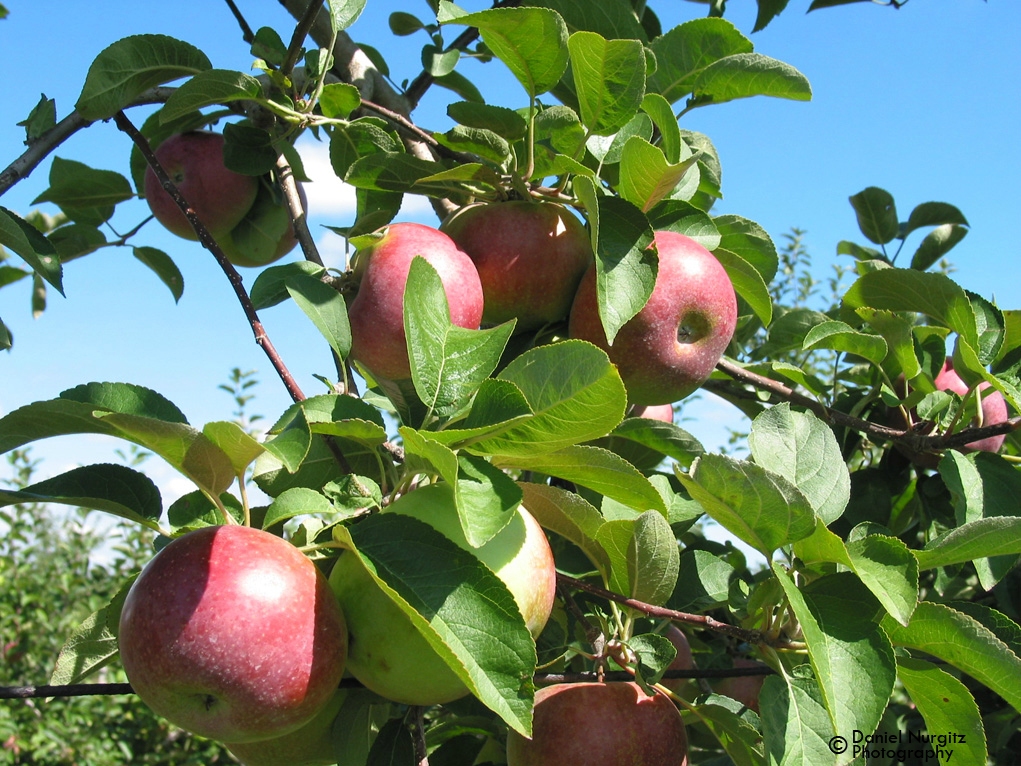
327, 194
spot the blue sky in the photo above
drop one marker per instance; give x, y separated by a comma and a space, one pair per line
923, 101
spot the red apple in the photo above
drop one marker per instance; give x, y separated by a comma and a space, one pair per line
219, 197
386, 653
232, 633
744, 689
311, 745
593, 724
671, 346
266, 233
376, 314
994, 406
530, 257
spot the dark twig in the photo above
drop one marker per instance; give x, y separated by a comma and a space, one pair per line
298, 213
246, 31
211, 245
918, 442
700, 620
298, 37
69, 690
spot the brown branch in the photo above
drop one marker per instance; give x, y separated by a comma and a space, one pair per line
246, 31
699, 620
40, 148
211, 245
298, 214
916, 441
299, 35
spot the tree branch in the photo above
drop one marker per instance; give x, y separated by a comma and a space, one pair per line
211, 245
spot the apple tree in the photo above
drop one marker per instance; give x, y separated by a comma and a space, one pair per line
500, 514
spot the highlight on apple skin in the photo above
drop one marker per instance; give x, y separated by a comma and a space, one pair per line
669, 349
233, 634
376, 314
387, 654
530, 257
219, 196
600, 724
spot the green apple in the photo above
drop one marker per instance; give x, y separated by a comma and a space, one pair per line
669, 349
266, 233
232, 633
530, 257
219, 197
386, 653
376, 314
600, 724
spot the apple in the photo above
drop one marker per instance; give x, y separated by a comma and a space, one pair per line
266, 233
376, 314
600, 724
311, 745
994, 407
219, 197
530, 257
683, 661
386, 653
662, 412
744, 689
233, 634
669, 349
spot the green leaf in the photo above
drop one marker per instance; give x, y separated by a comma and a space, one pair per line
608, 149
498, 119
484, 143
6, 340
851, 656
887, 568
325, 307
964, 643
750, 241
393, 745
132, 65
448, 363
933, 214
935, 295
653, 559
487, 499
741, 741
768, 10
598, 469
115, 489
339, 99
93, 645
984, 538
760, 507
532, 42
705, 582
391, 171
896, 331
840, 336
570, 516
436, 583
344, 13
296, 501
937, 244
664, 439
877, 214
613, 19
270, 286
241, 447
609, 79
983, 485
803, 449
947, 706
42, 117
683, 53
163, 267
747, 283
357, 140
575, 393
743, 75
84, 194
25, 240
213, 86
439, 62
796, 728
662, 114
645, 175
626, 265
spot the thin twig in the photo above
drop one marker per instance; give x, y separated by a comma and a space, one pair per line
246, 31
298, 37
298, 213
916, 441
211, 245
700, 620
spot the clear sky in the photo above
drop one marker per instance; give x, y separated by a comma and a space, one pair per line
923, 101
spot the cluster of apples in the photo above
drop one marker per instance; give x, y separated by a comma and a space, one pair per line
533, 262
246, 215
